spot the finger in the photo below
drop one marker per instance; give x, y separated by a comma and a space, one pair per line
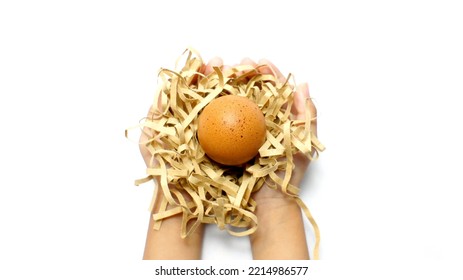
215, 62
148, 133
227, 70
302, 96
270, 68
246, 62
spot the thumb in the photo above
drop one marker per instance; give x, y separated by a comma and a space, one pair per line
301, 97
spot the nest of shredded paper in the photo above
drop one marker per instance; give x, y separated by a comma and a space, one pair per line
195, 186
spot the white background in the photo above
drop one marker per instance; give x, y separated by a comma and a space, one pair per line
386, 77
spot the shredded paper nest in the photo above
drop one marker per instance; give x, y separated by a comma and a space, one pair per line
196, 187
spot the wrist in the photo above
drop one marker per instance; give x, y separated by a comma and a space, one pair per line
275, 207
280, 232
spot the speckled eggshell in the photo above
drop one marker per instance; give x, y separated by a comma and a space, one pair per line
231, 129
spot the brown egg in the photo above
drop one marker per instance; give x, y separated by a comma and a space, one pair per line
231, 129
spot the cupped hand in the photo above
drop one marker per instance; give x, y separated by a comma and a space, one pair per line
166, 243
298, 110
